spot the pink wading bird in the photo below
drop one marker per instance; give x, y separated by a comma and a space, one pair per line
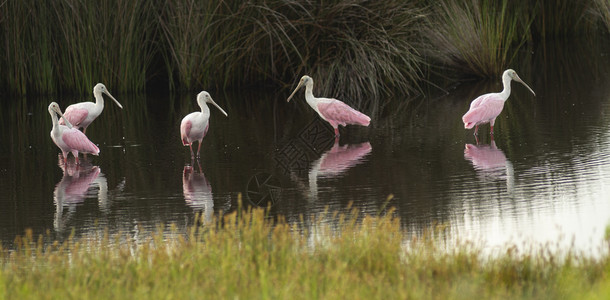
485, 108
195, 125
331, 110
67, 138
82, 114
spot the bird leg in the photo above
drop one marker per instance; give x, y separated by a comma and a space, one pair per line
192, 154
476, 130
199, 149
65, 155
491, 132
337, 132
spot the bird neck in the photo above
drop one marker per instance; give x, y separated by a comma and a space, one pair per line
55, 129
99, 100
311, 100
506, 82
205, 109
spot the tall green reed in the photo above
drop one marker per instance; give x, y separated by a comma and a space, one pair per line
562, 17
110, 42
70, 45
601, 9
478, 37
352, 48
27, 39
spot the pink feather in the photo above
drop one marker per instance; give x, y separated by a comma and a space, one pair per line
484, 109
78, 141
338, 113
185, 131
75, 116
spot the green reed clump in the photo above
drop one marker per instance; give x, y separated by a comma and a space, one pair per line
562, 17
478, 37
246, 254
351, 48
354, 49
26, 33
358, 49
601, 9
108, 41
70, 45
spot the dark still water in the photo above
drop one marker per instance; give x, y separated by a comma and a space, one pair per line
544, 179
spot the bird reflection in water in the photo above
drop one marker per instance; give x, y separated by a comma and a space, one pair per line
490, 163
333, 163
73, 188
198, 192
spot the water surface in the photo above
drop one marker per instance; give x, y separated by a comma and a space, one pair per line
544, 178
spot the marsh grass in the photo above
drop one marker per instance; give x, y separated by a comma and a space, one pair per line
71, 45
563, 18
356, 50
601, 8
27, 57
247, 254
110, 42
478, 37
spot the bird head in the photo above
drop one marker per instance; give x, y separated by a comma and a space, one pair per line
100, 89
305, 81
513, 75
204, 97
54, 109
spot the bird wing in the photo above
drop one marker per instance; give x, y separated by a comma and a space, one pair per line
480, 100
77, 140
486, 109
74, 115
335, 111
185, 129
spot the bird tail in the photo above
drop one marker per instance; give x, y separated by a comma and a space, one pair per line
361, 119
97, 150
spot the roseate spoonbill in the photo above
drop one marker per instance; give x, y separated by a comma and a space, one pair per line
485, 108
195, 125
331, 110
82, 114
67, 138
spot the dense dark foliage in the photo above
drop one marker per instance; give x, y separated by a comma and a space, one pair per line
353, 48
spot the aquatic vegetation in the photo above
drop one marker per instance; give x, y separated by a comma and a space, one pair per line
249, 255
362, 49
478, 37
602, 9
71, 45
562, 18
